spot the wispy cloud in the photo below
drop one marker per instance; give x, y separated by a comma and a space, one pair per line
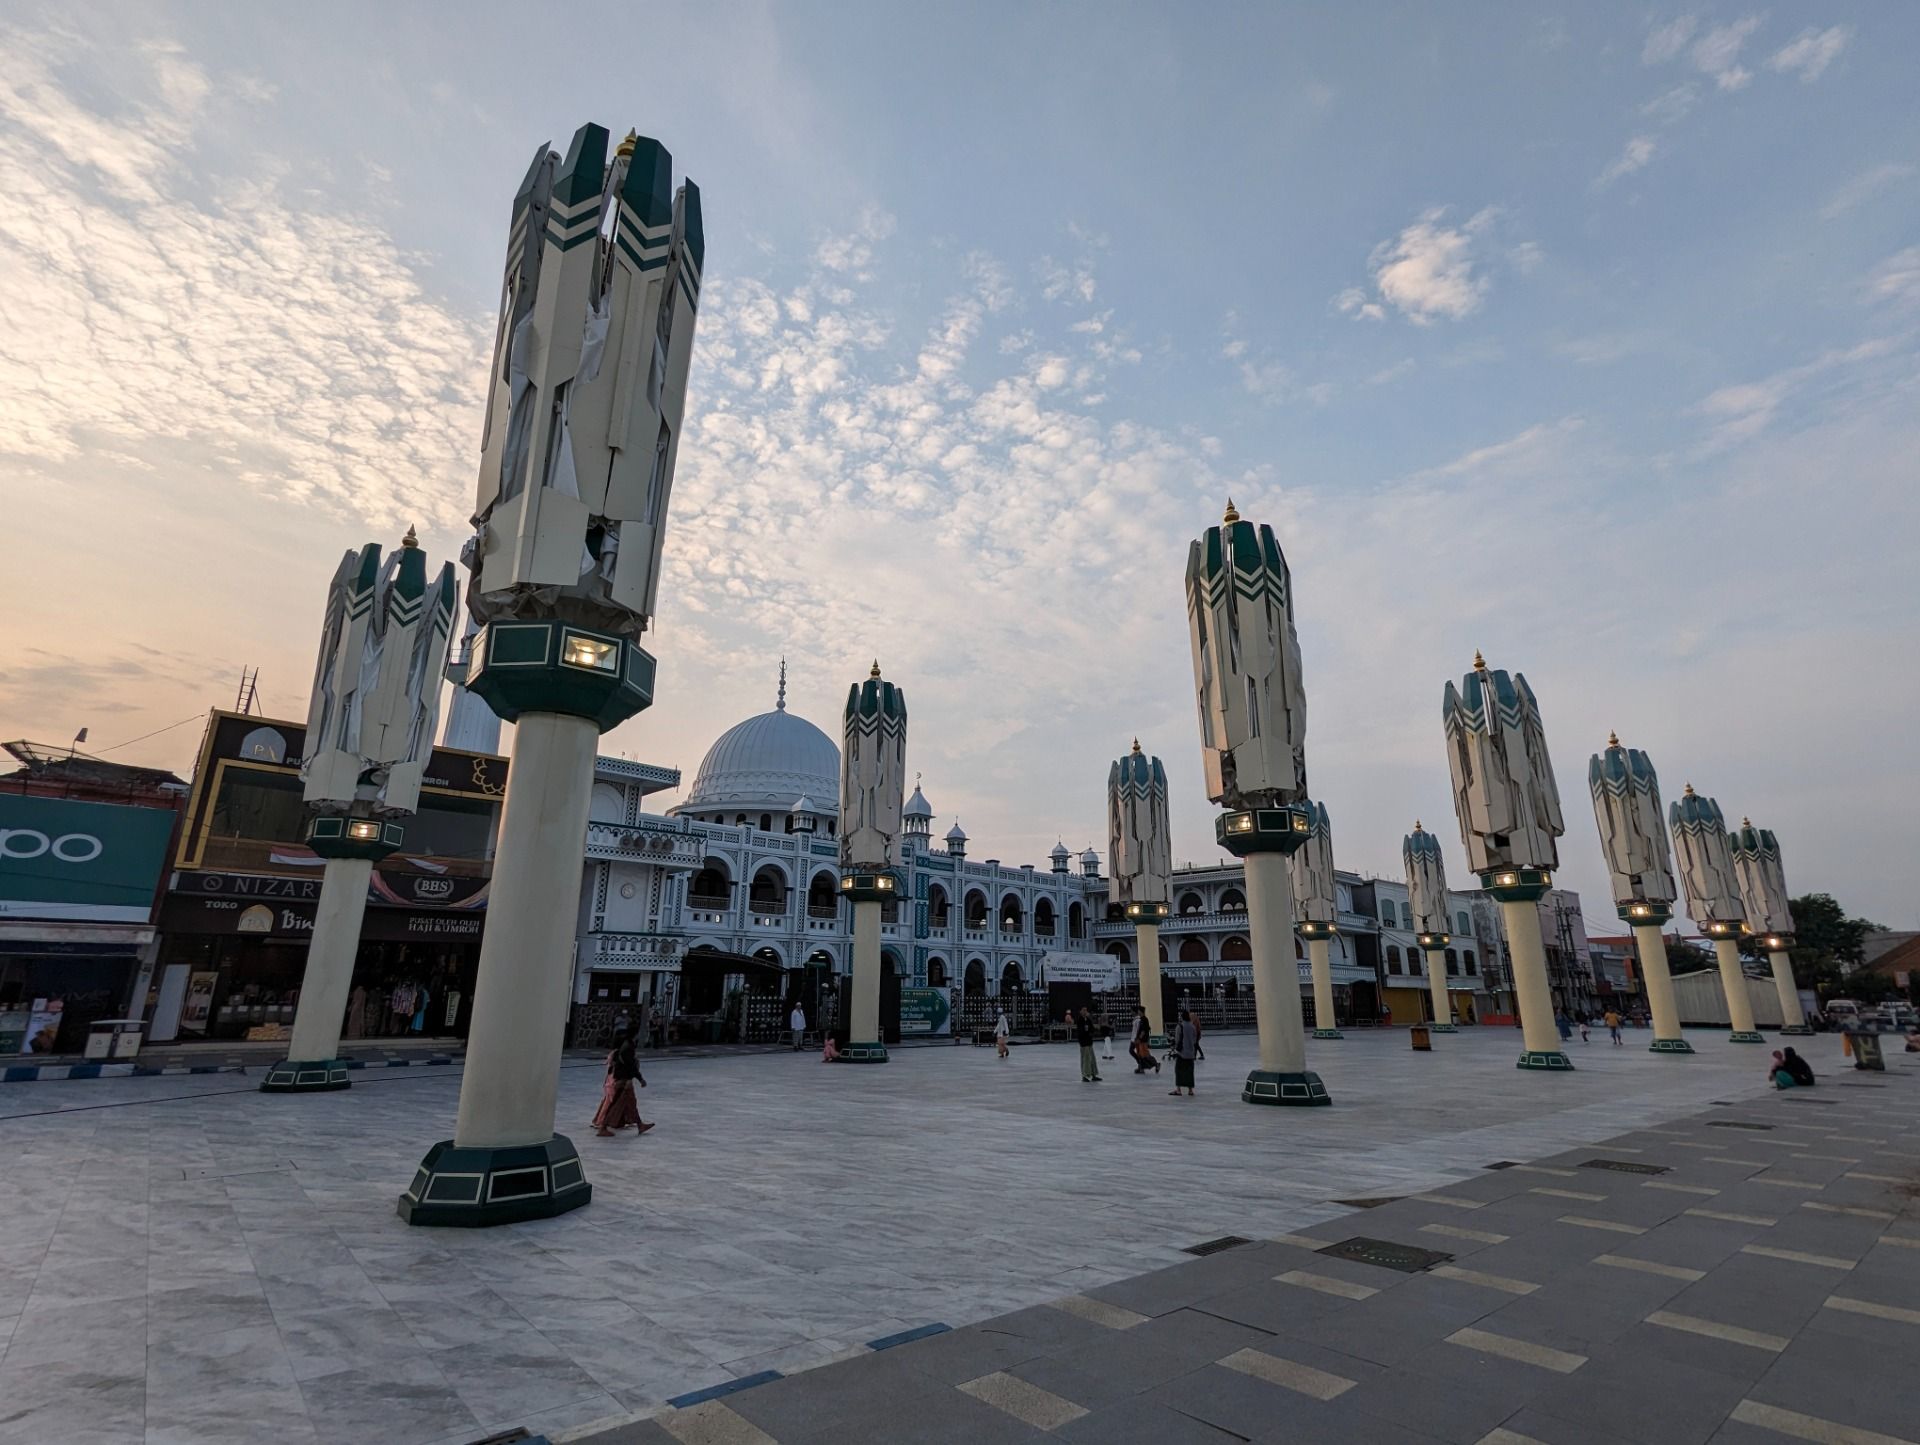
1671, 106
1714, 52
1810, 52
1426, 273
1742, 411
1863, 188
1897, 279
1637, 153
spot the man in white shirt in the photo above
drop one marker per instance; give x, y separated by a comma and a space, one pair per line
798, 1023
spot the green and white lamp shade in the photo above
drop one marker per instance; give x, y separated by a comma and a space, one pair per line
1139, 837
1633, 832
589, 381
1426, 870
873, 774
1316, 909
1503, 789
1706, 864
1763, 890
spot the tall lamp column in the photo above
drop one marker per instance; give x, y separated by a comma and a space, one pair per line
1633, 835
588, 383
873, 776
1139, 843
1509, 810
1763, 888
1319, 914
1253, 733
1713, 898
1427, 890
370, 724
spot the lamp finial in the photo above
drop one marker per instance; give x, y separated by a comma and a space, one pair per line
1233, 513
1479, 662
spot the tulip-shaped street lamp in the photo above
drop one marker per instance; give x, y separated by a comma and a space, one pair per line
1140, 845
1713, 898
1253, 733
1633, 835
587, 386
1318, 915
1763, 889
873, 778
1509, 811
1427, 888
370, 724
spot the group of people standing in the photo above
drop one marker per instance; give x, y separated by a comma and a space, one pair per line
1183, 1046
1585, 1022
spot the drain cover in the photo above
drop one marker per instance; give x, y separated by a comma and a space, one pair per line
1624, 1166
1214, 1246
1372, 1203
1502, 1164
1386, 1254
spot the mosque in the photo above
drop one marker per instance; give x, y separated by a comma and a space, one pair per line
729, 900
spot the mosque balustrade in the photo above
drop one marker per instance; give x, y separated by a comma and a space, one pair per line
664, 846
630, 951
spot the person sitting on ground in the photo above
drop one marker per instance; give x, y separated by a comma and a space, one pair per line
830, 1053
1798, 1069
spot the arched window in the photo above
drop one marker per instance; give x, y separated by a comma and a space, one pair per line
1076, 921
1010, 981
1453, 962
1235, 950
710, 886
766, 822
975, 911
609, 804
1462, 923
974, 981
1386, 912
1393, 958
1043, 918
937, 907
740, 820
1414, 963
1191, 903
1011, 914
1119, 951
823, 898
936, 973
1233, 900
1466, 959
1193, 950
767, 894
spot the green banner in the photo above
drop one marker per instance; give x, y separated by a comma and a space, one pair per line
925, 1011
92, 861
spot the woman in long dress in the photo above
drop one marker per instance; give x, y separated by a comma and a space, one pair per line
1186, 1048
618, 1106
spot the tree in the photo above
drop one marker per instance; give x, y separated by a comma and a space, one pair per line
1828, 946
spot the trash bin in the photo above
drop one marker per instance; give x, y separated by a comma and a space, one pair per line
114, 1038
1422, 1038
1866, 1050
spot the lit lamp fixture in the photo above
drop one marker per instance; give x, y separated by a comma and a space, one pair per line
370, 726
1701, 849
1763, 893
1508, 805
1239, 822
593, 653
1140, 846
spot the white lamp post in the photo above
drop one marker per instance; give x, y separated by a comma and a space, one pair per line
1427, 889
1713, 898
873, 775
1318, 911
1139, 844
1763, 889
1633, 835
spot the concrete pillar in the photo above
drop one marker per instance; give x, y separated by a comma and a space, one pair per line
1793, 1018
1734, 983
1658, 979
863, 1017
512, 1070
1146, 937
1282, 1077
329, 973
1538, 1034
1437, 990
1324, 1026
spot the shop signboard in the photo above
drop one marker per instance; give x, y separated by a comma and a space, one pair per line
281, 918
925, 1012
65, 859
388, 888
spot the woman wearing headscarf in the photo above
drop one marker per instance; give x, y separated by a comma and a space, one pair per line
1186, 1048
618, 1106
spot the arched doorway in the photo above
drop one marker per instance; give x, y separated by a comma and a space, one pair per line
1191, 903
1233, 900
936, 972
974, 911
1076, 921
937, 908
1121, 952
711, 887
974, 982
1193, 950
1010, 980
1043, 918
1235, 950
823, 896
767, 894
1011, 914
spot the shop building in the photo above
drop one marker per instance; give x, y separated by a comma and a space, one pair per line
83, 849
239, 905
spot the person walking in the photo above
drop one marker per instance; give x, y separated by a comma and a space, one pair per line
1613, 1028
1142, 1046
797, 1021
1000, 1032
618, 1107
1565, 1025
1186, 1049
1083, 1035
1106, 1039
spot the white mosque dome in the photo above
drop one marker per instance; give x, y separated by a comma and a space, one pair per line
769, 762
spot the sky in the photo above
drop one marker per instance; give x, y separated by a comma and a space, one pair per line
1585, 335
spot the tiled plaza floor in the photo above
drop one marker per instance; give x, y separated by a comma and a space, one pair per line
189, 1260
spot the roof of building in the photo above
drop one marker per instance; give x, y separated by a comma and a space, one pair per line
917, 805
48, 767
1901, 958
769, 761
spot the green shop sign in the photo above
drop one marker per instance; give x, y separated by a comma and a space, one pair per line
924, 1011
96, 862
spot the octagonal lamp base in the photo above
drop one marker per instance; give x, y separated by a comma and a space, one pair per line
305, 1076
476, 1187
1551, 1060
1669, 1046
1327, 1034
1795, 1030
1746, 1037
1444, 1028
871, 1053
1302, 1089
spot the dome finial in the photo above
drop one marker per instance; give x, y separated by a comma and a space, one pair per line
410, 540
780, 702
1233, 513
876, 668
1479, 662
1136, 747
625, 148
1613, 738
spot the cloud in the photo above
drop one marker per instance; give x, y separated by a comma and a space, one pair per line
1897, 279
1426, 272
1671, 107
1810, 52
1742, 411
1638, 152
1714, 53
852, 253
1665, 42
1863, 188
